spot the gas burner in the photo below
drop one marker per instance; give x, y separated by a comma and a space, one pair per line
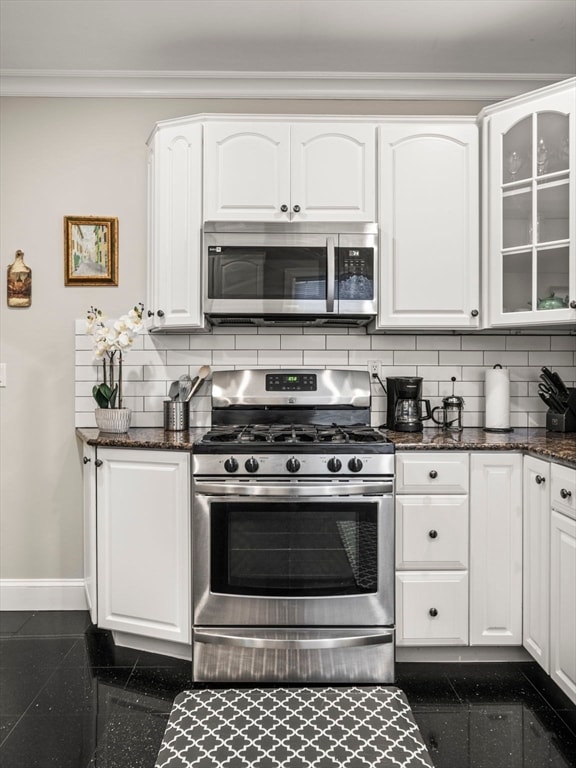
294, 433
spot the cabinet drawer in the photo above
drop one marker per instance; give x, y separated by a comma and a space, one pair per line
431, 532
432, 608
431, 472
563, 489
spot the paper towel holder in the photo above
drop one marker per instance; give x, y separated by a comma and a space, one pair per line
498, 429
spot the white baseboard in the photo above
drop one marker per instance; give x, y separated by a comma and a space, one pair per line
42, 595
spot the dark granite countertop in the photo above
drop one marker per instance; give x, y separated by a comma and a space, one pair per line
535, 442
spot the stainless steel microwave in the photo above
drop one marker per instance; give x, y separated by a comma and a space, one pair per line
299, 273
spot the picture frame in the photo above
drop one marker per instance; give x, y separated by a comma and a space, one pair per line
90, 250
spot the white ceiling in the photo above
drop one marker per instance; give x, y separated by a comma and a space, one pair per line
360, 41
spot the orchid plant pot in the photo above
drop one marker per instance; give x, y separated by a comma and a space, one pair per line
113, 419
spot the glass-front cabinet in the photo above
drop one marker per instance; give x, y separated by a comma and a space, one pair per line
530, 207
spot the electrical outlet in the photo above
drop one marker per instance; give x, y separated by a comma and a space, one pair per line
374, 367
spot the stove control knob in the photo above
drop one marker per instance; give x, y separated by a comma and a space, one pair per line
334, 464
355, 464
293, 465
231, 465
251, 465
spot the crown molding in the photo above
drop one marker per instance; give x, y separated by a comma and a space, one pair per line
269, 85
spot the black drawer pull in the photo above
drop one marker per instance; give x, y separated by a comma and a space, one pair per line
86, 460
433, 612
433, 474
565, 494
539, 479
433, 534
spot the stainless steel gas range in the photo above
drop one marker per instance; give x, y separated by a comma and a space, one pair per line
293, 524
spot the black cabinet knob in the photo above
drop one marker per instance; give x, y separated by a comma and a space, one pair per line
433, 534
573, 305
433, 612
283, 208
474, 313
160, 313
539, 479
565, 494
86, 460
98, 462
433, 474
296, 209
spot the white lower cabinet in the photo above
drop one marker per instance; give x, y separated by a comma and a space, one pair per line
144, 551
536, 560
432, 548
496, 548
432, 608
563, 580
90, 550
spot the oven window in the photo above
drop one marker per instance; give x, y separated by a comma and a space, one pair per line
294, 548
267, 272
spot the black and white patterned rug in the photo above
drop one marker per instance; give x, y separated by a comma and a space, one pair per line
349, 727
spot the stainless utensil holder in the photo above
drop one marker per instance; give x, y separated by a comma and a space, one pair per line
176, 416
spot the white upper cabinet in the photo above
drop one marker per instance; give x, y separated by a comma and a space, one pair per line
175, 226
278, 171
428, 216
529, 171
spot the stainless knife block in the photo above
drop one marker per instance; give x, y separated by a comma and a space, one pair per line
565, 420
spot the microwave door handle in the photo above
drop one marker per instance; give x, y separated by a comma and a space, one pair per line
330, 273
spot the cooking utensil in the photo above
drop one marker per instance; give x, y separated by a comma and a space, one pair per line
184, 387
199, 380
555, 382
173, 392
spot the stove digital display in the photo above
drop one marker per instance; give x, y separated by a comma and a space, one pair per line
291, 382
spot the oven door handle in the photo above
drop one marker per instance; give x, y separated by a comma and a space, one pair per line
311, 643
226, 488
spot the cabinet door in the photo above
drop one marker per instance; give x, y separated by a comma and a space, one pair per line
432, 608
536, 561
247, 171
89, 483
432, 472
431, 532
563, 603
175, 225
429, 220
144, 543
333, 172
495, 549
531, 209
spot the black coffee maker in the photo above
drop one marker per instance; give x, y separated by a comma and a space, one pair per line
404, 412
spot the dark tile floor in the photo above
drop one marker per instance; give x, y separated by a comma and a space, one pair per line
70, 699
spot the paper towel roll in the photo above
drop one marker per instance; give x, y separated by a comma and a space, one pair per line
497, 391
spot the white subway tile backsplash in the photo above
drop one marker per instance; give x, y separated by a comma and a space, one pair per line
156, 360
484, 343
414, 357
505, 359
527, 342
303, 342
461, 358
439, 342
271, 341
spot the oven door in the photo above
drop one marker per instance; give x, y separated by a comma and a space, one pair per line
293, 553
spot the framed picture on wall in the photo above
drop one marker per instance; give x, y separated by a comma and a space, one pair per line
90, 250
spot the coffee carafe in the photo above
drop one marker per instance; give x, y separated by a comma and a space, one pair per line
405, 404
450, 412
